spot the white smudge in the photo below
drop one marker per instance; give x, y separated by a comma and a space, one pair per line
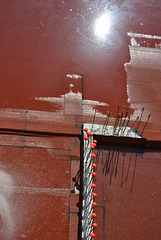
95, 103
60, 99
72, 103
89, 107
7, 229
51, 99
69, 103
73, 95
75, 76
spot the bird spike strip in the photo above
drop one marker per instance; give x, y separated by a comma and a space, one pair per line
122, 122
90, 173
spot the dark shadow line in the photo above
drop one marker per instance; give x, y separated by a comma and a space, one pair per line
133, 174
128, 167
106, 163
123, 161
30, 133
110, 161
113, 167
117, 164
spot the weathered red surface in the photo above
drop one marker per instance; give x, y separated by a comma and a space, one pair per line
33, 186
40, 43
36, 184
128, 187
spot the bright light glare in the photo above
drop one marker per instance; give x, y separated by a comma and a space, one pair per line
102, 25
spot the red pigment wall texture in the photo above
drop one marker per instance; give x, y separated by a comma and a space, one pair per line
41, 42
36, 183
129, 195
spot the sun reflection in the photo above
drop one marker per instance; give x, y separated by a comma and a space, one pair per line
102, 25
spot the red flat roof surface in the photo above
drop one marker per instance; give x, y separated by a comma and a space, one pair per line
128, 188
44, 47
43, 41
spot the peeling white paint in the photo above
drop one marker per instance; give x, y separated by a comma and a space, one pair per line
55, 100
73, 95
69, 103
51, 99
72, 103
94, 103
75, 76
61, 98
89, 107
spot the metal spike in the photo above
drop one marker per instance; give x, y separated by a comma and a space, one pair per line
142, 111
127, 122
145, 124
105, 122
120, 124
132, 126
116, 123
110, 114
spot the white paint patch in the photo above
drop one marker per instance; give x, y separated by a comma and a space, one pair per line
89, 107
7, 229
71, 103
73, 95
55, 100
33, 190
71, 85
94, 103
51, 99
75, 76
61, 98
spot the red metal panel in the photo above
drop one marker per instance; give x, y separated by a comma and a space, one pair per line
128, 188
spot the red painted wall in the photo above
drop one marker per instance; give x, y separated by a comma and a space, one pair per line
40, 43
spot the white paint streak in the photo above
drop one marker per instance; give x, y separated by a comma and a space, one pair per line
7, 230
55, 100
94, 103
33, 190
71, 85
51, 99
73, 95
75, 76
89, 107
71, 103
60, 99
